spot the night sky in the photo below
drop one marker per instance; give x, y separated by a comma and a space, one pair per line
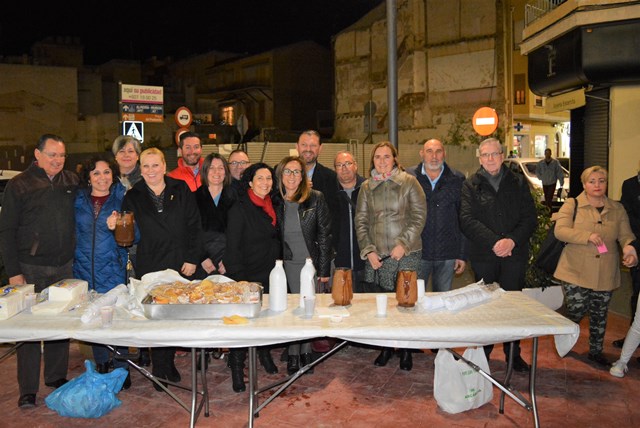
141, 29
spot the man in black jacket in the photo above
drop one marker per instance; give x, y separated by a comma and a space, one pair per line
443, 245
345, 240
322, 178
498, 216
37, 240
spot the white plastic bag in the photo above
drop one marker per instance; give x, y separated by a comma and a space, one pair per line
456, 386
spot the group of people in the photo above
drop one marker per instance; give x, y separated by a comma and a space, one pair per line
198, 218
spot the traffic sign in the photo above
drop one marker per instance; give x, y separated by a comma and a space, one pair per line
485, 121
179, 132
243, 125
134, 129
184, 117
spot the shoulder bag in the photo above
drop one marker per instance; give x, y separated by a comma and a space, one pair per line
551, 248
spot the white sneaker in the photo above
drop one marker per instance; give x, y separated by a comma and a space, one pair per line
618, 369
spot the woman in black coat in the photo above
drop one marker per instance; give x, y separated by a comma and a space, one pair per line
214, 199
253, 245
167, 216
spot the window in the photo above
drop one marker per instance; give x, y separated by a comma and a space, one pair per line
228, 115
519, 89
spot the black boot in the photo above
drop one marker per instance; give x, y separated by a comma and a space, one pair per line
384, 357
264, 355
236, 363
305, 360
293, 364
102, 368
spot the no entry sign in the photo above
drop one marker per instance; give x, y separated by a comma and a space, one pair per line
485, 121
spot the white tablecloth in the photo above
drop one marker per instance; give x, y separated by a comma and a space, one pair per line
510, 317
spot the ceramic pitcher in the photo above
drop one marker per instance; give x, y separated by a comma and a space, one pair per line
342, 288
407, 288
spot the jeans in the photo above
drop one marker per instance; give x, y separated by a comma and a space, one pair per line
441, 272
102, 354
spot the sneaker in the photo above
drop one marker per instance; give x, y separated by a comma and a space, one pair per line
619, 369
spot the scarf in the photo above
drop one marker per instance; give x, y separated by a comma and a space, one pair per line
265, 204
384, 176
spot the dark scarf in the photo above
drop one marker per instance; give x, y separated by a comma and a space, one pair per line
265, 204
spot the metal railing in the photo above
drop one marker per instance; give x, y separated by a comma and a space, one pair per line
539, 8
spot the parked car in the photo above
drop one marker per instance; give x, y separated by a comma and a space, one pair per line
5, 176
527, 167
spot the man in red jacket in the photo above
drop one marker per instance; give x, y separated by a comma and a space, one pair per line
189, 164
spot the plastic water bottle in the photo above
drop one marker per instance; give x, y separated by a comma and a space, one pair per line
278, 288
307, 280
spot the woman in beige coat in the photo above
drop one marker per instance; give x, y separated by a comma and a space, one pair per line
390, 216
590, 263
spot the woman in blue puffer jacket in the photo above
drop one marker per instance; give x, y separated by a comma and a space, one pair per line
98, 259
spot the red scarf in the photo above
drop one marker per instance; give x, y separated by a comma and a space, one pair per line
265, 204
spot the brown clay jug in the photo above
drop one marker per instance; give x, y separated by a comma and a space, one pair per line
407, 288
341, 288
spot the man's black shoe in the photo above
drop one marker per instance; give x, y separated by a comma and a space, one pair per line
145, 359
56, 383
174, 375
520, 365
384, 357
406, 360
127, 382
27, 401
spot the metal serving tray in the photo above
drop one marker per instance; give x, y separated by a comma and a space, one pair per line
199, 311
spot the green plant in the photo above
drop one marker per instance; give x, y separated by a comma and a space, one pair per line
534, 276
457, 131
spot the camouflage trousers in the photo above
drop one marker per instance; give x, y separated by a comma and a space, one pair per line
579, 301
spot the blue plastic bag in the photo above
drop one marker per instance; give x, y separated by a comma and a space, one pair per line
89, 395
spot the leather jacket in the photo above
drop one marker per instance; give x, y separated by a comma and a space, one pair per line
315, 222
389, 213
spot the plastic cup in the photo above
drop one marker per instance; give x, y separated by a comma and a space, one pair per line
381, 305
421, 288
106, 315
309, 306
29, 301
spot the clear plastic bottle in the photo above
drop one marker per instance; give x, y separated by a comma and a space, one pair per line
278, 288
307, 280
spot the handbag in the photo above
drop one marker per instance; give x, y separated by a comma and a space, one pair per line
456, 386
551, 249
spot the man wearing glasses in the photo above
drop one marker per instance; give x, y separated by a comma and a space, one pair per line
238, 161
37, 240
344, 236
498, 216
443, 245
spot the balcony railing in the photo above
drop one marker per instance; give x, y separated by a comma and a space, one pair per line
539, 8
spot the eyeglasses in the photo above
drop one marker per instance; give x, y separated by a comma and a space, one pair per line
288, 171
239, 163
343, 165
490, 155
55, 155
